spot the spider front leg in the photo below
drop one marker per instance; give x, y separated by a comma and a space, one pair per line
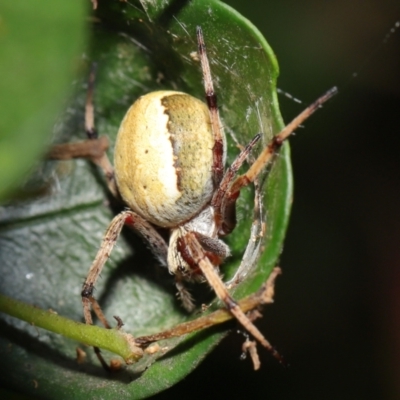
224, 199
211, 99
193, 253
273, 147
225, 212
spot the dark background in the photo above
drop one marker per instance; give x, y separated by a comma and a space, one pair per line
337, 315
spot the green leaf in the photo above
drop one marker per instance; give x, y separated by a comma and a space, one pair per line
38, 60
49, 241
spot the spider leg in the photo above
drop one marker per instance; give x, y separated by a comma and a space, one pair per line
183, 294
225, 213
211, 99
108, 243
268, 153
153, 238
94, 148
224, 200
146, 230
263, 296
198, 256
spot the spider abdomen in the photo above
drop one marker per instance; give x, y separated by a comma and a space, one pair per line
163, 157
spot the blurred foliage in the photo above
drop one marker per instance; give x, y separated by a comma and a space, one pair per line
38, 61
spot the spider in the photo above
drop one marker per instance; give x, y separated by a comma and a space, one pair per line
170, 171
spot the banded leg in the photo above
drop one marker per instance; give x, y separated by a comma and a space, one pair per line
224, 199
198, 256
211, 99
155, 241
269, 152
250, 303
107, 245
152, 237
225, 213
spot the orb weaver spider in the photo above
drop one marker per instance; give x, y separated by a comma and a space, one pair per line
170, 171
